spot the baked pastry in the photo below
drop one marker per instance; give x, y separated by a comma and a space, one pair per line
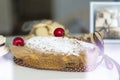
44, 28
3, 49
56, 53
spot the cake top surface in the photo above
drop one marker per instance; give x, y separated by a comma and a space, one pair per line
2, 39
59, 44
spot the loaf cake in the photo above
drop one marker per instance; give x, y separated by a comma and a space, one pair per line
56, 53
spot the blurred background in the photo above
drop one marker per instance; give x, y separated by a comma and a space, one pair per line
73, 14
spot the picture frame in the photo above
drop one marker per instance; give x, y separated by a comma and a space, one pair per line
105, 17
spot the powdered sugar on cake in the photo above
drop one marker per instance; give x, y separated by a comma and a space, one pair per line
59, 44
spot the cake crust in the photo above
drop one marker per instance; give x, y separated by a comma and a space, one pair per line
47, 60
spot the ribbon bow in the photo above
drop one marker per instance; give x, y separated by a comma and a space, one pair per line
109, 62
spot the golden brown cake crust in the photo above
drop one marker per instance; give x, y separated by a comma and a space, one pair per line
41, 60
81, 68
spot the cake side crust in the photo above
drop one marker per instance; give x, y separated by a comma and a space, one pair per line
49, 60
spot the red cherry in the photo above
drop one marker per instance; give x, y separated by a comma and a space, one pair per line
18, 41
59, 32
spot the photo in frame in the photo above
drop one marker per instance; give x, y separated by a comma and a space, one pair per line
105, 17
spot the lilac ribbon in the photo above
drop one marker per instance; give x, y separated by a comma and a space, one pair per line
109, 62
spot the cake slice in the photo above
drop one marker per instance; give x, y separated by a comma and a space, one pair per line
56, 53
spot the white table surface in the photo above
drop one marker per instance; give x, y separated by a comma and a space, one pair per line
11, 71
